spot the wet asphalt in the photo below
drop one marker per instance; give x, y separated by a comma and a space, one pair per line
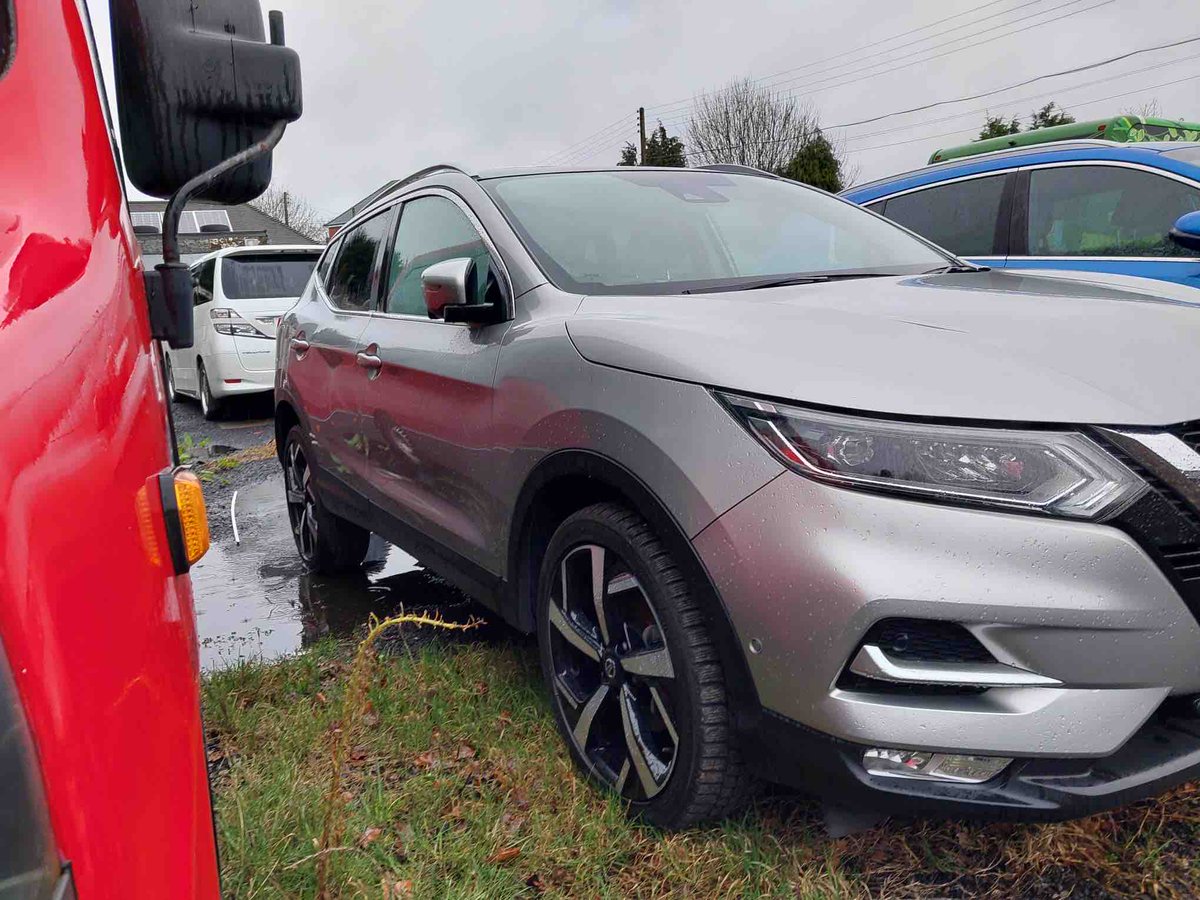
254, 599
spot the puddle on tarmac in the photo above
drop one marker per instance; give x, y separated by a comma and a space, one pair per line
254, 600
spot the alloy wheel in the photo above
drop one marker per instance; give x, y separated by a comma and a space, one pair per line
612, 672
301, 502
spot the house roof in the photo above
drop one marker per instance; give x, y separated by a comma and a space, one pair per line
242, 218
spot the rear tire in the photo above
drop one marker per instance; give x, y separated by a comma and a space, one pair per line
635, 681
327, 543
210, 406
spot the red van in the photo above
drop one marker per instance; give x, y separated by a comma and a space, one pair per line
103, 784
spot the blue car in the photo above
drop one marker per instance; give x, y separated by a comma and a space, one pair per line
1087, 205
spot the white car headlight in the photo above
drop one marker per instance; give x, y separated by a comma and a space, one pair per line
1054, 472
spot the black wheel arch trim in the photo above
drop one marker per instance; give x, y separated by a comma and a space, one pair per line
519, 603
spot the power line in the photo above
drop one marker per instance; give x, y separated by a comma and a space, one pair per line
859, 49
1015, 100
992, 93
605, 129
811, 87
929, 137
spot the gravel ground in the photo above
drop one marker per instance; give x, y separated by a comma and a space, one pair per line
218, 492
245, 422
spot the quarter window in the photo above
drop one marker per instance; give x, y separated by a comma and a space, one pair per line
960, 216
202, 280
1105, 211
327, 263
431, 230
350, 282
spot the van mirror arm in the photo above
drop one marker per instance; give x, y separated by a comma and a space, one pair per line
169, 286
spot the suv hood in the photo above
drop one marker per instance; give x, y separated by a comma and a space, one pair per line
990, 345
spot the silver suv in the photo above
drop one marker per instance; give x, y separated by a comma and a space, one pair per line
785, 491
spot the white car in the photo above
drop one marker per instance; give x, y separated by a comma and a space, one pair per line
240, 294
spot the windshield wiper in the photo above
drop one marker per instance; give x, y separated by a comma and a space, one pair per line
755, 285
955, 268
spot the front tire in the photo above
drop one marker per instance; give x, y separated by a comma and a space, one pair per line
635, 681
210, 406
327, 543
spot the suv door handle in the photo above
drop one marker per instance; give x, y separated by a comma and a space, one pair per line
369, 361
299, 344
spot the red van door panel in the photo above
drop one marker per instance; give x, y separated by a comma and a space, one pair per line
101, 642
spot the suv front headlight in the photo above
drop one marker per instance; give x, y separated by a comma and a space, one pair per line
1053, 472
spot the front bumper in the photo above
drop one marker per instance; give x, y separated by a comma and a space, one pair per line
805, 570
1163, 753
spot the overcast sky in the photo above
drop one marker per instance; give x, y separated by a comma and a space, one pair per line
392, 87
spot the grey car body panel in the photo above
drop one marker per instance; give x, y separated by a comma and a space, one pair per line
807, 569
992, 345
674, 437
802, 567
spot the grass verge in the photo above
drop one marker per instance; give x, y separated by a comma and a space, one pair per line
456, 785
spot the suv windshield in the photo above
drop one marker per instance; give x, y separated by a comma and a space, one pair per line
265, 275
659, 232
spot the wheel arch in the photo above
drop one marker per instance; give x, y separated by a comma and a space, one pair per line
569, 480
286, 418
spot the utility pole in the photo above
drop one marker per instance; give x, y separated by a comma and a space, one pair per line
285, 210
642, 132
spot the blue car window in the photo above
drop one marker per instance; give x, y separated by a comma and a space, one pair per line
1105, 211
960, 216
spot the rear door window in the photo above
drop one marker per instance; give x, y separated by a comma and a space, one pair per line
266, 275
1105, 211
351, 281
960, 216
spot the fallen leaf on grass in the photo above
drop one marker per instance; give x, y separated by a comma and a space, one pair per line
508, 854
369, 836
321, 698
465, 751
534, 883
427, 760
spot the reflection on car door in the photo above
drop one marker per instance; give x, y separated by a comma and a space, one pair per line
428, 410
1103, 218
325, 370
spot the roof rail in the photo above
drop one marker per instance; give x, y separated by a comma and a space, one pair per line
417, 176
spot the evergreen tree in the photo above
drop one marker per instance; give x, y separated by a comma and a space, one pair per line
816, 163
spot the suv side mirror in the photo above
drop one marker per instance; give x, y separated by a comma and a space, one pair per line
197, 84
449, 288
1186, 231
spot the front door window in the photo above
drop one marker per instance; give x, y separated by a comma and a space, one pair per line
1105, 211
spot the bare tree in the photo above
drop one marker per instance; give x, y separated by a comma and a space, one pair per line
1150, 109
750, 125
297, 213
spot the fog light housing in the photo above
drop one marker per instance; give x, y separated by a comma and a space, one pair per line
957, 767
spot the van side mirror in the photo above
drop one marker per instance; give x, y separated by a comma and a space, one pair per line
1186, 231
197, 83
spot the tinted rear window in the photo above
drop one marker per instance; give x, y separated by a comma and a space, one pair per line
266, 275
960, 216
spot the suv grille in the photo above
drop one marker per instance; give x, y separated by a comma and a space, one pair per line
1165, 524
1190, 435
